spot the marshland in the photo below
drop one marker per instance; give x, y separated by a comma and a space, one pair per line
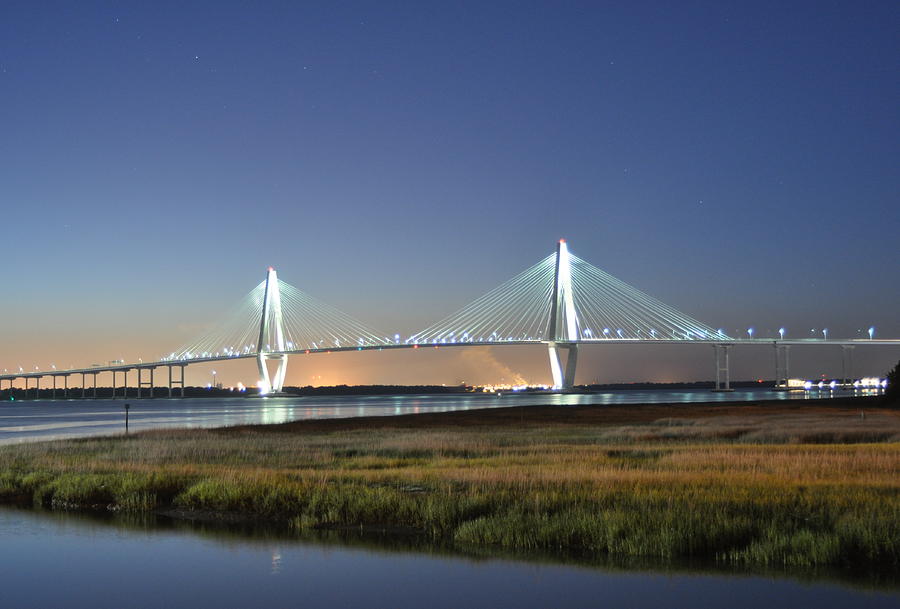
808, 484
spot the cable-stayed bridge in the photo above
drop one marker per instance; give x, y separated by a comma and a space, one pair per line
562, 302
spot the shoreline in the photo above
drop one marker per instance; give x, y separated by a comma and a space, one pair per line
591, 414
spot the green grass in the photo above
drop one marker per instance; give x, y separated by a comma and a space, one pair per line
649, 488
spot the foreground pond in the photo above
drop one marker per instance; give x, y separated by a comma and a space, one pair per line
56, 560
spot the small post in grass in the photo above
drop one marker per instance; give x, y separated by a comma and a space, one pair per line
127, 406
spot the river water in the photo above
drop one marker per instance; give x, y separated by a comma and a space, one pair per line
64, 560
28, 421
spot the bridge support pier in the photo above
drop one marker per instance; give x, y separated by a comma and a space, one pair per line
141, 383
563, 328
273, 383
782, 364
722, 368
271, 338
563, 376
179, 382
53, 376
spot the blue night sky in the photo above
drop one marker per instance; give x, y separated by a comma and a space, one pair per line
738, 161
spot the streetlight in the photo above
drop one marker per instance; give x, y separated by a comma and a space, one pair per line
781, 333
214, 379
871, 332
750, 332
825, 333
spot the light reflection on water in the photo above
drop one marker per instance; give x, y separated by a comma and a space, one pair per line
27, 421
62, 560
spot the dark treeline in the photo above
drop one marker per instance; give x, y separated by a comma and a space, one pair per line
74, 393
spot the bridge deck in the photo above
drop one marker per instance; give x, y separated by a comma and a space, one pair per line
384, 347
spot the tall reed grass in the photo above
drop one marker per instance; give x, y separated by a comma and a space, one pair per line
758, 497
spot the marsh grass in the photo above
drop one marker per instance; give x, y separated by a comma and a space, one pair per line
770, 490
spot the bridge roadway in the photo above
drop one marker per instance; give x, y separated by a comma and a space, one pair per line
719, 345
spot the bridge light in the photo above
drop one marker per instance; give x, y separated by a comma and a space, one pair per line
825, 333
750, 332
781, 332
871, 332
606, 331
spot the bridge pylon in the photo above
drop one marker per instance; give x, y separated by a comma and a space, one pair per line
563, 331
271, 338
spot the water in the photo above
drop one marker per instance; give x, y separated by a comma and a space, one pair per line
62, 560
28, 421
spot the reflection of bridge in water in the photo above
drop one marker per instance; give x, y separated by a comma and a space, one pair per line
562, 302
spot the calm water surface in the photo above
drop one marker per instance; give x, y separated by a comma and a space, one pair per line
60, 560
27, 421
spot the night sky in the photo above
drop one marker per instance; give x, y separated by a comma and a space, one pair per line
739, 161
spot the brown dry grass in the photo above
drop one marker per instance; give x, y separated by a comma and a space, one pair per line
758, 484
